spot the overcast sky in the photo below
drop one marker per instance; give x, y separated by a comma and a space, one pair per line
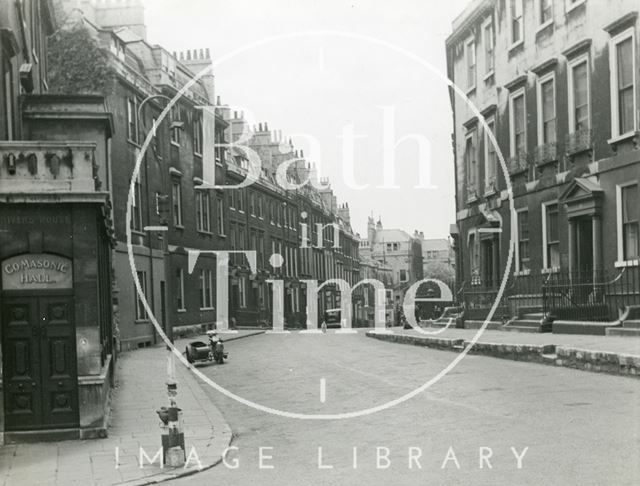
318, 84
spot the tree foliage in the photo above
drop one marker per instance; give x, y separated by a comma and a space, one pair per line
77, 64
440, 271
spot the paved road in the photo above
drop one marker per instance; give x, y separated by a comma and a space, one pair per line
579, 428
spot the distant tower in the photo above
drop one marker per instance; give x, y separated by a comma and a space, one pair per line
371, 230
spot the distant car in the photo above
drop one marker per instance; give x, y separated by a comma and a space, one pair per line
332, 318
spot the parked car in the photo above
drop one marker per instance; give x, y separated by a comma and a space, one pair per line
333, 318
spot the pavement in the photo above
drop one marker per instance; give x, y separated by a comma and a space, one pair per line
606, 354
134, 436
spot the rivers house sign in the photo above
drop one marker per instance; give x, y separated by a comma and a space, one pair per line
37, 272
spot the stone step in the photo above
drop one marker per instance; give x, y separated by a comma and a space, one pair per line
532, 316
525, 323
580, 327
623, 332
526, 328
633, 324
477, 324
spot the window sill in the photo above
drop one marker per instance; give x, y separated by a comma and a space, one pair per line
175, 144
178, 227
133, 142
141, 321
515, 45
471, 91
543, 27
207, 308
205, 233
137, 232
627, 263
575, 5
220, 235
181, 311
489, 75
622, 138
197, 154
522, 273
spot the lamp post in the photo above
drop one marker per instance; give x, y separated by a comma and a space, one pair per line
171, 416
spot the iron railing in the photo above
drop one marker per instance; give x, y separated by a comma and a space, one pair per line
581, 295
591, 295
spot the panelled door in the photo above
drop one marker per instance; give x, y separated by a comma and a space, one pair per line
39, 362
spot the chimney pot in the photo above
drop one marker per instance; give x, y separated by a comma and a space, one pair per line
208, 53
266, 128
188, 54
218, 100
235, 115
301, 154
201, 53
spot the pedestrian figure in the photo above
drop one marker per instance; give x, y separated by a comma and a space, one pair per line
324, 327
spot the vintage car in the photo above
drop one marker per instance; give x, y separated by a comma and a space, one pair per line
333, 318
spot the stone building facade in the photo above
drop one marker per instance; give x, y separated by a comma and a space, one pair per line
56, 238
553, 88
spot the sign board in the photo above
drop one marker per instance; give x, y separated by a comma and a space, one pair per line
37, 271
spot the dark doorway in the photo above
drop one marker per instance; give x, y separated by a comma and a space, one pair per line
584, 249
39, 362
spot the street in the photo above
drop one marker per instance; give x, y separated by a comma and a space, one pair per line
475, 426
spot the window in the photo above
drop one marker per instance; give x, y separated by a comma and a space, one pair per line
176, 196
490, 157
546, 109
240, 201
197, 135
132, 119
180, 303
156, 143
470, 56
623, 98
252, 203
545, 12
403, 275
220, 216
141, 312
7, 98
628, 199
136, 213
522, 248
517, 123
242, 292
515, 16
260, 207
489, 46
470, 159
395, 247
551, 257
579, 97
260, 250
203, 205
176, 116
388, 246
206, 289
220, 149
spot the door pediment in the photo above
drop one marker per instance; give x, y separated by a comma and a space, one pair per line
583, 197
